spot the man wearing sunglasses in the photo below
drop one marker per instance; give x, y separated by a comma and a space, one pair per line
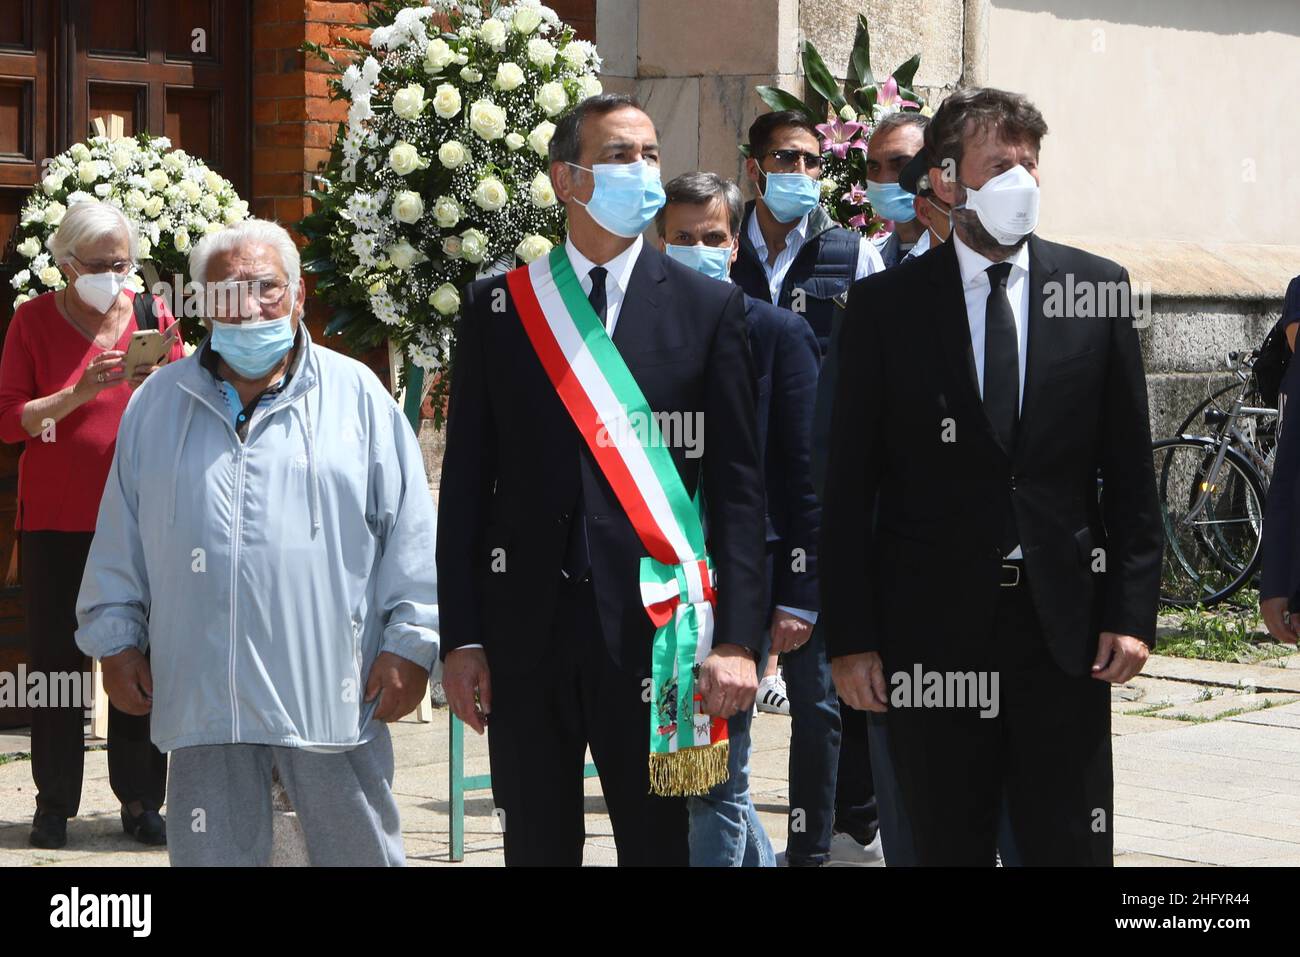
791, 252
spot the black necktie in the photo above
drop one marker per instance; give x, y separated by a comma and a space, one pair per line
577, 556
597, 295
1002, 377
1001, 359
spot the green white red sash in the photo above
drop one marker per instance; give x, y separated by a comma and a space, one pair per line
688, 749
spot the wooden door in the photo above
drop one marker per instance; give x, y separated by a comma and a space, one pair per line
178, 68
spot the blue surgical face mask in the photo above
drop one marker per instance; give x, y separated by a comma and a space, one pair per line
625, 198
891, 201
791, 196
253, 348
713, 261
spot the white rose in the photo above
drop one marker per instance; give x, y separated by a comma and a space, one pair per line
540, 138
87, 171
575, 56
213, 181
451, 247
30, 246
54, 214
408, 102
533, 247
157, 179
590, 86
173, 162
445, 299
405, 159
493, 33
447, 211
541, 52
408, 207
487, 120
509, 76
526, 20
135, 199
79, 152
404, 255
541, 192
53, 182
50, 275
452, 154
514, 141
145, 248
237, 212
490, 194
473, 245
101, 190
18, 301
153, 206
210, 228
471, 75
120, 159
181, 239
552, 98
191, 190
446, 101
438, 54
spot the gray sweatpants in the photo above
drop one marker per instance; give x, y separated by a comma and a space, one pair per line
219, 804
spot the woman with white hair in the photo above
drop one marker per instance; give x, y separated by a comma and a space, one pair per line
63, 390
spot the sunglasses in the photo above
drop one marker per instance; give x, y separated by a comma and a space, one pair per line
790, 158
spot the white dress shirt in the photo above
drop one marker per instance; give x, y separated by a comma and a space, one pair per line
975, 285
919, 247
869, 260
618, 272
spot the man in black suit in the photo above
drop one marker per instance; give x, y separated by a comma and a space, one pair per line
700, 227
975, 588
543, 628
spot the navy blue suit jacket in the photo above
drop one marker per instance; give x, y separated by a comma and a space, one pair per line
786, 358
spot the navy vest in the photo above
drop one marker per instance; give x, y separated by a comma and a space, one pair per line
824, 268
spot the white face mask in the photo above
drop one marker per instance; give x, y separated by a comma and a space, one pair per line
1007, 205
100, 290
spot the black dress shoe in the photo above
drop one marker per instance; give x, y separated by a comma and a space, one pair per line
49, 831
147, 827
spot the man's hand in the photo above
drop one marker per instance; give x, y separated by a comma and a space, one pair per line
860, 681
399, 683
789, 632
1119, 657
1281, 625
468, 686
128, 681
728, 681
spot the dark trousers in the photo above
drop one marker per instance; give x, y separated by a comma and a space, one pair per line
541, 724
1044, 762
52, 566
814, 751
856, 813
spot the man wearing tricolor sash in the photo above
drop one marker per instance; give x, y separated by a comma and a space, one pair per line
601, 514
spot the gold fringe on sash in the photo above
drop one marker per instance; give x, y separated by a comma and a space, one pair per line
689, 772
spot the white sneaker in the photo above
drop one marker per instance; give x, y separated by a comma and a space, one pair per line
771, 695
847, 852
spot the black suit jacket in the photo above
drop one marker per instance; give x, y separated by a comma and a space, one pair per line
923, 579
786, 358
514, 466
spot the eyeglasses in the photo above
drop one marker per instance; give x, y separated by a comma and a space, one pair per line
266, 293
788, 159
119, 266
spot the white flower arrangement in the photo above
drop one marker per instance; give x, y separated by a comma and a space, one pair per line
441, 172
170, 196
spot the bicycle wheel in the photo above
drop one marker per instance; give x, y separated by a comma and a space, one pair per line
1212, 520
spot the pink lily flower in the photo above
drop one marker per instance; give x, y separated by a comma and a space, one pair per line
856, 196
839, 137
888, 98
859, 221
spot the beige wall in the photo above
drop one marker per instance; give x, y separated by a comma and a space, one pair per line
1170, 119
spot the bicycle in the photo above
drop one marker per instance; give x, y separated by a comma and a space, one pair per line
1212, 490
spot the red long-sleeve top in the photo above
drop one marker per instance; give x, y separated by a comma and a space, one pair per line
60, 482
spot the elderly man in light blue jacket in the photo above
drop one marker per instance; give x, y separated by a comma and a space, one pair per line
267, 537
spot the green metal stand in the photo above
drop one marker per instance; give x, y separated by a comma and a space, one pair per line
457, 782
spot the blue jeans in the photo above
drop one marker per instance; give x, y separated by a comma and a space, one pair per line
724, 827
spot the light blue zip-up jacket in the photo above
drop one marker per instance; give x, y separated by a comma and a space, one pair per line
264, 576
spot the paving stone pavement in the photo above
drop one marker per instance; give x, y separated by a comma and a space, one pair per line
1199, 789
